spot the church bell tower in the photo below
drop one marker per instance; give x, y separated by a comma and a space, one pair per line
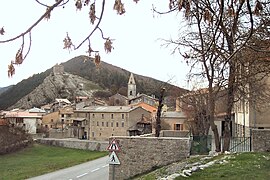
131, 87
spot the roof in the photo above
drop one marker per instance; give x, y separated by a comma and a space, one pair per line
63, 100
22, 114
135, 128
145, 106
140, 95
36, 110
131, 79
119, 95
108, 109
173, 114
79, 119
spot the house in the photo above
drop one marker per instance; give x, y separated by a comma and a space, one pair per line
252, 110
253, 113
151, 100
27, 120
101, 122
59, 103
143, 126
118, 100
60, 119
2, 120
90, 102
194, 105
174, 120
152, 109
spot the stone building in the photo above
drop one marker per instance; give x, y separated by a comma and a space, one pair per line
132, 96
58, 69
60, 119
106, 121
25, 119
131, 87
118, 100
151, 100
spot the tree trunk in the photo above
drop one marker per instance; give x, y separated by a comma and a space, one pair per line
212, 118
230, 101
160, 105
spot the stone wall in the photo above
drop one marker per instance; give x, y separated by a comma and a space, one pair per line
142, 154
76, 144
260, 140
174, 133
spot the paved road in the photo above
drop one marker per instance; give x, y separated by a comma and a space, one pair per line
92, 170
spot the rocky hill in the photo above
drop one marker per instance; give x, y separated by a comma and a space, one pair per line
44, 87
57, 86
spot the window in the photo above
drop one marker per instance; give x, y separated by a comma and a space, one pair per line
93, 115
111, 124
62, 115
102, 124
51, 126
99, 134
51, 120
178, 127
97, 123
107, 124
111, 116
123, 116
130, 93
116, 124
102, 116
123, 124
19, 120
93, 134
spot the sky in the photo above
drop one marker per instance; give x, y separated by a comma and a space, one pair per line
137, 45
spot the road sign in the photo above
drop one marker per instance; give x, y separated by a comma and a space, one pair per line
113, 146
113, 159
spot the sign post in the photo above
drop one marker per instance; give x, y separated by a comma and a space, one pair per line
113, 159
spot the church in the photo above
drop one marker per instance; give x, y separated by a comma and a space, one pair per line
132, 96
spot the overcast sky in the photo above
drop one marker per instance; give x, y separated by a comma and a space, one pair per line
137, 47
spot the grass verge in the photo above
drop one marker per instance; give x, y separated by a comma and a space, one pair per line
241, 166
40, 159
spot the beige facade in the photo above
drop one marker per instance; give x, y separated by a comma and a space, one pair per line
24, 119
106, 121
59, 119
253, 113
174, 121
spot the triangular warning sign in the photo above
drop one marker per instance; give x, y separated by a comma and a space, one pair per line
113, 146
113, 159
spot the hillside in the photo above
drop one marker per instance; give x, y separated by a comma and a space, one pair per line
106, 76
57, 86
3, 89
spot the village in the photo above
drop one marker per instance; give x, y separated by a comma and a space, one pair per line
131, 115
94, 119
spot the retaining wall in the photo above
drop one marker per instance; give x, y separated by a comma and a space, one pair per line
261, 140
142, 154
76, 144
